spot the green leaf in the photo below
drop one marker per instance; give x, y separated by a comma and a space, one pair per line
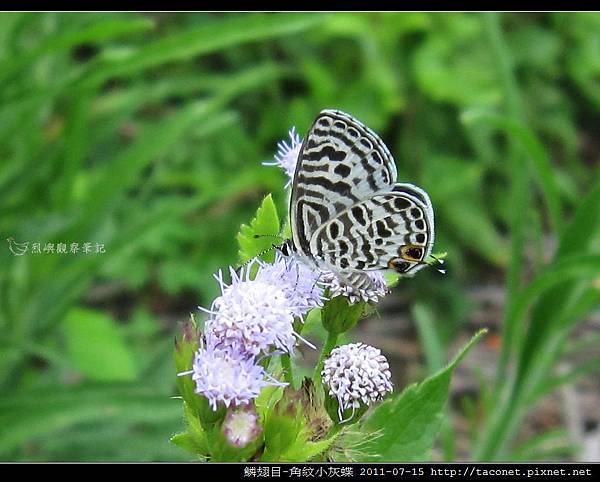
303, 450
286, 432
188, 442
536, 152
30, 414
196, 440
567, 378
409, 423
339, 315
96, 32
584, 229
208, 38
569, 268
582, 58
281, 432
540, 446
537, 345
257, 237
466, 216
391, 278
96, 347
452, 64
429, 336
154, 142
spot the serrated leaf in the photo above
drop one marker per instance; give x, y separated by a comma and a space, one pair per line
303, 450
281, 432
190, 443
408, 424
265, 225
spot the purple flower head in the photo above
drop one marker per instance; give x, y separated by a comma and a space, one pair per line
287, 155
227, 376
241, 426
299, 283
337, 287
251, 316
356, 374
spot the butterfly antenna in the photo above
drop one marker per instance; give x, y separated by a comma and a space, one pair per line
255, 236
263, 252
316, 281
437, 263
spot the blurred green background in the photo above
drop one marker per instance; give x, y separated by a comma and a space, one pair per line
144, 134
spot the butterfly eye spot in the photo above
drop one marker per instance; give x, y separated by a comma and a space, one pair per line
398, 265
410, 252
420, 238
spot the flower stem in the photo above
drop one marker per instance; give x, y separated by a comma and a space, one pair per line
329, 345
288, 373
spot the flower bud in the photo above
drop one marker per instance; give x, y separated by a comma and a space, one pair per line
241, 425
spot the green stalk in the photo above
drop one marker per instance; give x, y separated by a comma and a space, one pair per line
288, 372
329, 345
519, 195
498, 425
537, 356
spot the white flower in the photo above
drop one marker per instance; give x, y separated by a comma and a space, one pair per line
338, 287
251, 315
299, 283
227, 376
356, 374
287, 155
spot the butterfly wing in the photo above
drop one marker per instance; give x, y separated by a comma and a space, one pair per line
372, 233
341, 163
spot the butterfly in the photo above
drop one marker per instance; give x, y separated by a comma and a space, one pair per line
348, 213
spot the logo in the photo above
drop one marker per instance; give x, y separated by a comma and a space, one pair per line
17, 249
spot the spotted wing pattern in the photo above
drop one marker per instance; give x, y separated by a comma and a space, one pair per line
348, 213
341, 162
369, 234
